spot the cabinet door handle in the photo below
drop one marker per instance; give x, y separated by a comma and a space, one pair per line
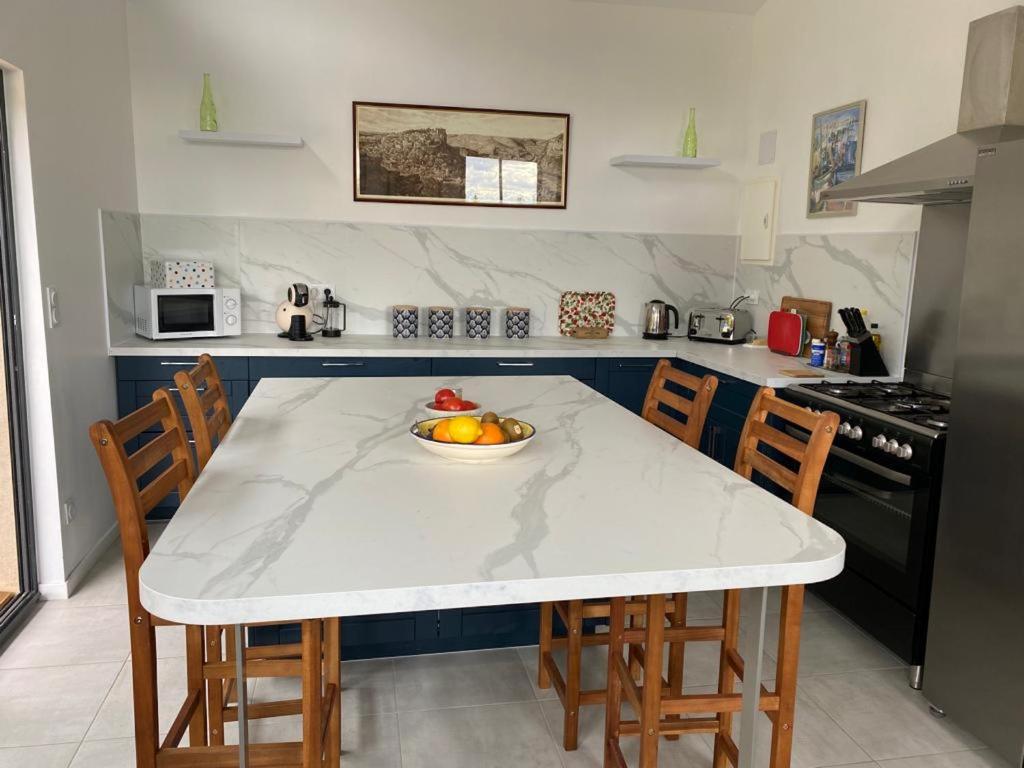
342, 365
636, 366
178, 362
514, 365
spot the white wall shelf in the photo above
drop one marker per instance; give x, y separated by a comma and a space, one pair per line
242, 139
664, 161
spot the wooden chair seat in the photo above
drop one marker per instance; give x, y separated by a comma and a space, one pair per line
138, 482
669, 407
661, 708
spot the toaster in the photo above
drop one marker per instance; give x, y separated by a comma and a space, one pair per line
719, 324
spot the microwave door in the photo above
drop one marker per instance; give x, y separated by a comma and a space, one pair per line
191, 313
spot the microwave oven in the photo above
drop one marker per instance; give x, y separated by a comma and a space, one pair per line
187, 313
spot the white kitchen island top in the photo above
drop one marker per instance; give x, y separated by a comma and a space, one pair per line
320, 504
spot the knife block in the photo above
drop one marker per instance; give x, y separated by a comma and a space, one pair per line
865, 359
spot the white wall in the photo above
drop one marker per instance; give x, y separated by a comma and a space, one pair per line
69, 109
905, 57
625, 73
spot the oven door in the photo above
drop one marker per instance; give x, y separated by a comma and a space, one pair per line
883, 516
182, 315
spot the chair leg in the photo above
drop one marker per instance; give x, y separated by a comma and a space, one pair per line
194, 655
676, 652
144, 689
573, 658
312, 693
726, 678
215, 687
635, 668
332, 673
232, 687
785, 675
613, 700
654, 649
544, 646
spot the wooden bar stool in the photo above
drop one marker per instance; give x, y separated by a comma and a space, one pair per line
316, 659
796, 467
682, 417
206, 404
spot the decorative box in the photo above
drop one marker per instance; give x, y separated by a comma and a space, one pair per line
181, 274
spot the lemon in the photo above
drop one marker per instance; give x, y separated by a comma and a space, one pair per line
464, 429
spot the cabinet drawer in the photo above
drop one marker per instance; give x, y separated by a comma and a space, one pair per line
237, 392
580, 368
163, 368
291, 367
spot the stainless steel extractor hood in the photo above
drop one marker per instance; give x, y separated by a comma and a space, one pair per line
991, 110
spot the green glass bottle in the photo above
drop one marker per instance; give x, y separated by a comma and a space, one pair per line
207, 109
690, 137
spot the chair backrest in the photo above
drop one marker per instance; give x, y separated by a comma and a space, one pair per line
206, 404
808, 457
695, 409
124, 472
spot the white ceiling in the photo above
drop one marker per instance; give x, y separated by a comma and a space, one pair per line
749, 7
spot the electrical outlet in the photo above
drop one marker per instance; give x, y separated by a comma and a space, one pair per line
753, 297
69, 511
316, 293
52, 307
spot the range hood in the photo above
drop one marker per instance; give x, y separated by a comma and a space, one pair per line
991, 111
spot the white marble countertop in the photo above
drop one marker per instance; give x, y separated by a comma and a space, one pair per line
319, 503
754, 364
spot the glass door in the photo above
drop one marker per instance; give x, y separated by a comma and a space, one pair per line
17, 567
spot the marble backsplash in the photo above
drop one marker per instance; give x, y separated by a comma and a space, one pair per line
374, 266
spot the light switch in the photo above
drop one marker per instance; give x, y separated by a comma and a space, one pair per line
52, 308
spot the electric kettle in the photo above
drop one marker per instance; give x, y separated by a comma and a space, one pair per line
656, 314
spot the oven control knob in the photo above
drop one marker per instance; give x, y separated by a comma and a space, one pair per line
879, 441
816, 412
844, 428
891, 447
856, 433
905, 451
230, 303
230, 319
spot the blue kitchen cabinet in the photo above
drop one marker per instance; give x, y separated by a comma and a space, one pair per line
293, 367
728, 412
628, 379
582, 368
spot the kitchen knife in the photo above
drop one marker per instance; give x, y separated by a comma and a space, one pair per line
859, 319
844, 315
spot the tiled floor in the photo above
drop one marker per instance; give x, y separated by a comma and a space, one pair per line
65, 700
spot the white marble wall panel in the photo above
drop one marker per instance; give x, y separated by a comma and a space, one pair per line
872, 271
122, 269
199, 238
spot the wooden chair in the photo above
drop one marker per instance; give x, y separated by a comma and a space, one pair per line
574, 612
206, 404
796, 467
169, 458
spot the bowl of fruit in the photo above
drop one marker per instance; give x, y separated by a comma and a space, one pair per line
447, 402
473, 439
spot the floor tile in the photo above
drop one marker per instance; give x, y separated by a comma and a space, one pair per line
886, 717
498, 736
366, 742
52, 705
593, 668
60, 635
460, 679
112, 753
830, 644
367, 688
687, 752
50, 756
984, 758
105, 583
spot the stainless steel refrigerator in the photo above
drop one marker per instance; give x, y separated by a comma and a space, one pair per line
974, 668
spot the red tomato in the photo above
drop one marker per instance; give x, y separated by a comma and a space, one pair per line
452, 404
468, 405
443, 394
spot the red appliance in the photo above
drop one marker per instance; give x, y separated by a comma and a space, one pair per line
787, 332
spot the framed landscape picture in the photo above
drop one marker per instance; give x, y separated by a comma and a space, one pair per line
837, 138
406, 153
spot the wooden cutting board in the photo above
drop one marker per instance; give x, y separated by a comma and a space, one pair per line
818, 313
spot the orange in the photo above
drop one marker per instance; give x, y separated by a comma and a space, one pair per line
491, 435
441, 431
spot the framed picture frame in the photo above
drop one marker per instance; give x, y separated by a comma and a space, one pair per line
837, 142
412, 153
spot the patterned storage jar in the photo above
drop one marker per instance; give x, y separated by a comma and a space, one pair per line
405, 321
478, 322
440, 322
517, 322
181, 274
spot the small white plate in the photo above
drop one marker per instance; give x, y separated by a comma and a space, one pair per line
438, 413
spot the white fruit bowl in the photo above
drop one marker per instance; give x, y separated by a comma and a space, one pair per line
438, 413
469, 454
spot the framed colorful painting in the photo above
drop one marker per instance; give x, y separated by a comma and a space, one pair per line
407, 153
837, 139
